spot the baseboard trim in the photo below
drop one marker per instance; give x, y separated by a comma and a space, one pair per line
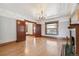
50, 37
53, 37
3, 44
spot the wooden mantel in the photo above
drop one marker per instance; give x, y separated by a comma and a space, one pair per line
76, 26
73, 26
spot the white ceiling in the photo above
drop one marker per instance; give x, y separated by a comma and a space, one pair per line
32, 10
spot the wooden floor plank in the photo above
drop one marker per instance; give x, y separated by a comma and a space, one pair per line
39, 46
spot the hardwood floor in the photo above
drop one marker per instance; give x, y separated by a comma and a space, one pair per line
39, 46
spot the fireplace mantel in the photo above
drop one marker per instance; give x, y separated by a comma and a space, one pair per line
76, 26
73, 26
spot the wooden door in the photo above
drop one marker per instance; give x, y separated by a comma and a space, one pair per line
21, 31
37, 30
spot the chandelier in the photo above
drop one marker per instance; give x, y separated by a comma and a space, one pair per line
42, 17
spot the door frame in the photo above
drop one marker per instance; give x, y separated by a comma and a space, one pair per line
32, 27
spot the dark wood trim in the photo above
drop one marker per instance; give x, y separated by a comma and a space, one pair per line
33, 29
73, 26
23, 22
76, 27
3, 44
51, 23
37, 30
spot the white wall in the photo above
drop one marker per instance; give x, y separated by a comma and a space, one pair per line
7, 29
63, 30
8, 25
63, 26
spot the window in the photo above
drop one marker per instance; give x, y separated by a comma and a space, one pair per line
51, 28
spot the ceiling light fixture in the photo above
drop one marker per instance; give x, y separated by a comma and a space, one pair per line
42, 17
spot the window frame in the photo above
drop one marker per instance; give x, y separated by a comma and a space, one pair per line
52, 22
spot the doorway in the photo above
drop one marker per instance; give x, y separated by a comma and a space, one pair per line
33, 29
25, 28
29, 28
